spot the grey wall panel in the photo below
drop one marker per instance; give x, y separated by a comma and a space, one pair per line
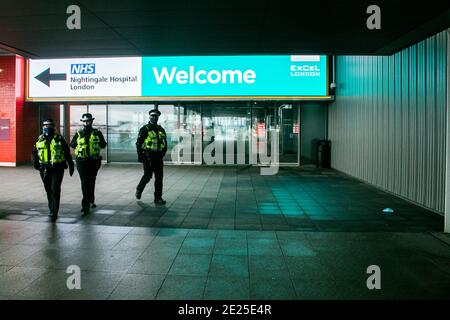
444, 83
313, 119
387, 125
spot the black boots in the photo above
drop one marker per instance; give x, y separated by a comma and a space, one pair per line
85, 210
160, 201
53, 216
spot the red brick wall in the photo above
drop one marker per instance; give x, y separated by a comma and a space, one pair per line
27, 131
23, 116
26, 117
8, 106
50, 110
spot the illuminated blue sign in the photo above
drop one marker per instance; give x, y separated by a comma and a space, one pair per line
202, 77
234, 76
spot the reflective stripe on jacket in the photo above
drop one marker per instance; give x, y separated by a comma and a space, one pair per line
81, 151
155, 140
56, 152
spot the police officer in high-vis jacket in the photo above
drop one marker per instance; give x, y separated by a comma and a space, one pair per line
51, 155
88, 143
151, 148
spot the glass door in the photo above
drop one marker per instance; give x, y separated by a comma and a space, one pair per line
124, 122
264, 125
289, 133
270, 119
226, 133
183, 126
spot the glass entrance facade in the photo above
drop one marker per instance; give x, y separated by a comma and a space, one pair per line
183, 125
226, 133
220, 133
124, 122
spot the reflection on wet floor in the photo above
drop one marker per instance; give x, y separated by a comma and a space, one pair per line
305, 199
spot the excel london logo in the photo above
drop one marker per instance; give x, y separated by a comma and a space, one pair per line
305, 66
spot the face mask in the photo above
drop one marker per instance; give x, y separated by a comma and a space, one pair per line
87, 124
153, 120
49, 131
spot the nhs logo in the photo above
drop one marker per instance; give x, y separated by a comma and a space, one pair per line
82, 68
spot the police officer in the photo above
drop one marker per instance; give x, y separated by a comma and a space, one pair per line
51, 155
87, 143
151, 148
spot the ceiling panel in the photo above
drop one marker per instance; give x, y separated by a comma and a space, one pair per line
118, 27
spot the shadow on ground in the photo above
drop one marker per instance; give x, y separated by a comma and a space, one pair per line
238, 198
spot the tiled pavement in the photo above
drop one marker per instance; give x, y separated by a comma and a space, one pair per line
306, 234
238, 198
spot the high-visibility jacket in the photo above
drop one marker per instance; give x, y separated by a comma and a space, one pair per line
155, 141
81, 151
50, 154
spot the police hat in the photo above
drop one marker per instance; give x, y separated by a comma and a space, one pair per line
86, 117
49, 122
155, 111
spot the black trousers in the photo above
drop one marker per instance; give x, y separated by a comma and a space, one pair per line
88, 170
52, 179
152, 165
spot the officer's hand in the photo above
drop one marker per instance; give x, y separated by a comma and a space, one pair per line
141, 158
36, 165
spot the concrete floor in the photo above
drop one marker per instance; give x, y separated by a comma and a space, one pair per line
225, 233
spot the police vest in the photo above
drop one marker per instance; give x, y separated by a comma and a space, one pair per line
155, 140
56, 152
82, 144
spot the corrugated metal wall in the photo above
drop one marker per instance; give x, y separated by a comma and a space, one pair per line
388, 123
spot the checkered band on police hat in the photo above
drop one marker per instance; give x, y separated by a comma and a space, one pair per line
49, 122
154, 111
86, 117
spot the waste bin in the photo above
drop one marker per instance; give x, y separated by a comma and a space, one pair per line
323, 157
